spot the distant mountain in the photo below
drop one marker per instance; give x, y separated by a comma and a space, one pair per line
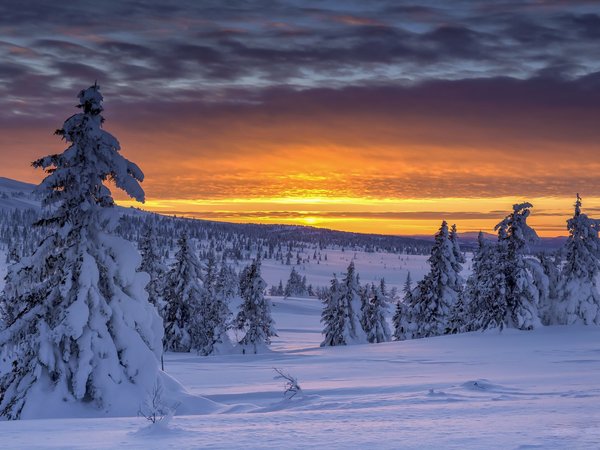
8, 185
17, 195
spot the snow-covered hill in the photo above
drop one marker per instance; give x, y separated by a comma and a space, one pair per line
9, 185
16, 195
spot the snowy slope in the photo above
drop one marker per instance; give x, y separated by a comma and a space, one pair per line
481, 390
16, 195
370, 266
9, 185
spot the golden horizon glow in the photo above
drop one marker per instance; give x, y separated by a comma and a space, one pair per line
351, 173
380, 216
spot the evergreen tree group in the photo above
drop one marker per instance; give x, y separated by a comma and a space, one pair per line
430, 306
353, 314
508, 286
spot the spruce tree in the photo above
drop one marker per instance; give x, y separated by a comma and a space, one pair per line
213, 314
407, 289
550, 265
183, 294
343, 326
296, 285
82, 328
578, 297
485, 292
429, 310
399, 320
458, 254
332, 316
521, 295
375, 308
254, 317
154, 266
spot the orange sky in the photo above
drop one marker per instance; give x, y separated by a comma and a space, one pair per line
349, 116
375, 188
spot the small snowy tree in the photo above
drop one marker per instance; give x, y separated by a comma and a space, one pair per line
82, 329
521, 294
375, 308
341, 313
407, 289
551, 269
254, 317
429, 310
296, 285
578, 297
183, 293
213, 314
332, 315
484, 299
154, 266
458, 254
399, 320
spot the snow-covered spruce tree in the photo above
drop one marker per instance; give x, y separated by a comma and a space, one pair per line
433, 300
13, 281
484, 297
348, 329
83, 330
153, 264
375, 307
458, 254
228, 282
183, 293
296, 285
521, 294
254, 317
399, 320
456, 321
407, 289
541, 282
578, 297
213, 314
550, 265
332, 316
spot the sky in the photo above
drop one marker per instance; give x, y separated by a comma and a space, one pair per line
380, 116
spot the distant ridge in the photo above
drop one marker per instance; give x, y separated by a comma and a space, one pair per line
7, 184
19, 195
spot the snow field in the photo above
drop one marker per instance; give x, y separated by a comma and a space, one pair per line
514, 389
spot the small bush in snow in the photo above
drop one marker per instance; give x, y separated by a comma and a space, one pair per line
154, 408
290, 385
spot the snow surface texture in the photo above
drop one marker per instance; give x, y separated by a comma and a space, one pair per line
509, 390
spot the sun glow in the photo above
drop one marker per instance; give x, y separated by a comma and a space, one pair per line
310, 220
369, 215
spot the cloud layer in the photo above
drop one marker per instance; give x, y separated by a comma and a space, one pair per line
289, 99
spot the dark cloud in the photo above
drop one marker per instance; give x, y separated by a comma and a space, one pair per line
219, 45
487, 92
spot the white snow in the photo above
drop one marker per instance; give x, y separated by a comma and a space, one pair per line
517, 389
509, 390
370, 266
